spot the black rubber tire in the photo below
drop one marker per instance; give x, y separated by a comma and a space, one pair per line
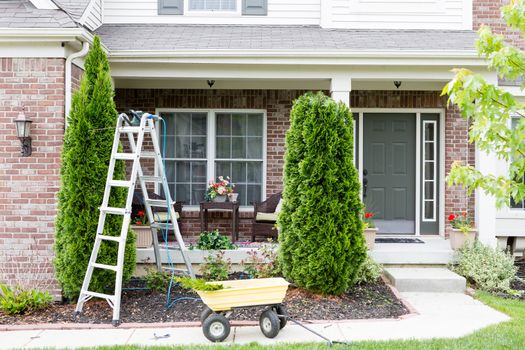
216, 328
205, 314
281, 310
269, 323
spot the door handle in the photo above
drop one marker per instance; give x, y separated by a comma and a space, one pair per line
365, 182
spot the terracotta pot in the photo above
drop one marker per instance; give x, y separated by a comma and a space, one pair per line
144, 238
458, 238
370, 237
219, 199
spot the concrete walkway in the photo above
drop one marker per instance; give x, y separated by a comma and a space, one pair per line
439, 315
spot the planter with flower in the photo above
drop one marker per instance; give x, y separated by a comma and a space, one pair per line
462, 230
219, 190
139, 225
369, 229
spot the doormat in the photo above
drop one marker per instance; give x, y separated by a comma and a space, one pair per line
398, 240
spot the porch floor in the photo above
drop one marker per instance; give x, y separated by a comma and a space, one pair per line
435, 251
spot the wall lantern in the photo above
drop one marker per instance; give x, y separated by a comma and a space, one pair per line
23, 131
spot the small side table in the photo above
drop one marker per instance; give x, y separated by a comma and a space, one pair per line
221, 206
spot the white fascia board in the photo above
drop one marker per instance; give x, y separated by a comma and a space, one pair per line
409, 58
514, 90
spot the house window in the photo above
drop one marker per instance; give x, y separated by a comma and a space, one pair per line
212, 5
517, 204
201, 146
429, 169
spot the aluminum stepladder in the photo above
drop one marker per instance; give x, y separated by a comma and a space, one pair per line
147, 126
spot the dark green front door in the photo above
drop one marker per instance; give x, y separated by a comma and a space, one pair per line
389, 161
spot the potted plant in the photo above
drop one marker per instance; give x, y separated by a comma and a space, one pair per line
218, 190
462, 230
369, 229
139, 225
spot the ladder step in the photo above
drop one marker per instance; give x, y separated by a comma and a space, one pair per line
109, 238
99, 295
116, 211
120, 183
126, 156
161, 225
151, 178
105, 267
148, 155
132, 129
160, 203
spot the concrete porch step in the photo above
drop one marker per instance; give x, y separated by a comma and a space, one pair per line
437, 280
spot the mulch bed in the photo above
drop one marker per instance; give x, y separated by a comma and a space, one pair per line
517, 284
144, 306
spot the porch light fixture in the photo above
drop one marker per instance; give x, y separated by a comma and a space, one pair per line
397, 83
23, 131
210, 83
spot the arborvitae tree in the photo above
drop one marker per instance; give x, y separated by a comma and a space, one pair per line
85, 162
322, 243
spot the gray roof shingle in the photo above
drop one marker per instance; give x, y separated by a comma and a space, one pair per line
258, 37
74, 7
22, 14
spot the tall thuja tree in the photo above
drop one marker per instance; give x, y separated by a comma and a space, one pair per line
85, 162
490, 110
322, 243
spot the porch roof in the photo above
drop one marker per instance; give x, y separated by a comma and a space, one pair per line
23, 14
173, 37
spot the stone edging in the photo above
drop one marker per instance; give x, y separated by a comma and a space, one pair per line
79, 326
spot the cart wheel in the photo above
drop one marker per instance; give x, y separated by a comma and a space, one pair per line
281, 311
269, 323
205, 314
216, 327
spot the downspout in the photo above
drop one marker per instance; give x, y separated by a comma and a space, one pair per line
68, 88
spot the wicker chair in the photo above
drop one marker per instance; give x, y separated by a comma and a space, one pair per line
265, 228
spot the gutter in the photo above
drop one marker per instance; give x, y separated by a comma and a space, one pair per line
68, 88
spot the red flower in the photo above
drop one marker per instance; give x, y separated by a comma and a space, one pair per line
464, 214
451, 217
140, 213
369, 215
138, 223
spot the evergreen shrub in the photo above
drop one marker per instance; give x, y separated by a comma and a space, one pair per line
321, 231
85, 161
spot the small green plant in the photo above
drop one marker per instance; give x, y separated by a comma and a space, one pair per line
18, 300
215, 267
263, 263
489, 269
198, 284
213, 240
460, 222
157, 280
369, 271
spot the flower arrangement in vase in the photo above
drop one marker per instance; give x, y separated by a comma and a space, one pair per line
218, 190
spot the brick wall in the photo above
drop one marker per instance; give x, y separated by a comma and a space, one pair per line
28, 184
278, 104
488, 12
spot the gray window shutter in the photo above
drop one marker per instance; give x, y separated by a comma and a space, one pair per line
255, 7
171, 7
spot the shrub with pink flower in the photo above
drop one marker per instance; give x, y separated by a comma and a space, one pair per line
219, 188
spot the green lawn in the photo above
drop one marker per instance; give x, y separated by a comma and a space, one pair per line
508, 335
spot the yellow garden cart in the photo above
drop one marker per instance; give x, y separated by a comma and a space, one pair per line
220, 304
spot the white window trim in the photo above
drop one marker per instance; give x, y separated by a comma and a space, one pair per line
211, 13
210, 160
434, 175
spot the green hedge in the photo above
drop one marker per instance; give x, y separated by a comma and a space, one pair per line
322, 243
85, 160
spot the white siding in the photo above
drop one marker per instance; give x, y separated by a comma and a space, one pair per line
400, 14
92, 17
287, 12
511, 226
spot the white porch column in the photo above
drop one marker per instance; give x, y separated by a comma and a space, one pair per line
485, 204
340, 87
